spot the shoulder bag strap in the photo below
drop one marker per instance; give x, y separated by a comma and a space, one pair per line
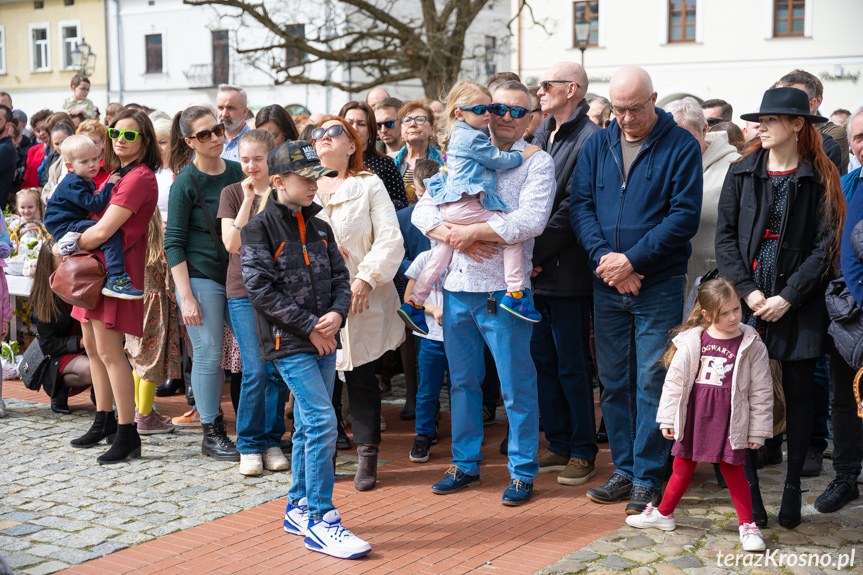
212, 227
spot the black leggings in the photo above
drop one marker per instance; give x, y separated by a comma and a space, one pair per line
798, 382
364, 394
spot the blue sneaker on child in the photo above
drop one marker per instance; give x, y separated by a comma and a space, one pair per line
121, 287
414, 317
521, 307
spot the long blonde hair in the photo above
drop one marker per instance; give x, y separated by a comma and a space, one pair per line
461, 95
712, 295
155, 239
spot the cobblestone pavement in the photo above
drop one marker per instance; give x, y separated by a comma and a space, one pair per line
707, 528
58, 508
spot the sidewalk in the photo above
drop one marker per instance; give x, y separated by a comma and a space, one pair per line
174, 511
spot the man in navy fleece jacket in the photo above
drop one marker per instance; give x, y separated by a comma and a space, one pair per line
636, 202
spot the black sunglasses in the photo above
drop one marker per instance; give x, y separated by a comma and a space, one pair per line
204, 135
713, 121
515, 111
332, 131
389, 124
545, 84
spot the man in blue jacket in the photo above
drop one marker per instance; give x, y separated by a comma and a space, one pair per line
636, 202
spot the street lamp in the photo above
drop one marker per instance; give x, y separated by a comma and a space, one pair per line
582, 35
83, 59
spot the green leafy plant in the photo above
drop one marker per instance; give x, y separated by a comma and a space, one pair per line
10, 349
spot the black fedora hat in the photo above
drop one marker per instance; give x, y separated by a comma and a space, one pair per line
784, 102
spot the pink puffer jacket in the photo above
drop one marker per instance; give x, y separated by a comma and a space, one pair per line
751, 388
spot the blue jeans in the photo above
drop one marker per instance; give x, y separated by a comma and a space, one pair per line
631, 336
208, 379
432, 368
261, 410
559, 346
310, 378
467, 327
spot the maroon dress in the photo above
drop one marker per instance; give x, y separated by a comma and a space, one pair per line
137, 192
708, 415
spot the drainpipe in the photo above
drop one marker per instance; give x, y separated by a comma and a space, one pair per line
120, 71
107, 54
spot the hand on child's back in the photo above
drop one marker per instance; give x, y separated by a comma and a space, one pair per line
530, 150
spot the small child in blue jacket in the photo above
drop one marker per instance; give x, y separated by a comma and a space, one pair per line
69, 208
467, 194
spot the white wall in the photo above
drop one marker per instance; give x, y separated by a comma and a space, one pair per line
735, 57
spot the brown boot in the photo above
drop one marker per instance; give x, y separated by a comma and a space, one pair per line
367, 467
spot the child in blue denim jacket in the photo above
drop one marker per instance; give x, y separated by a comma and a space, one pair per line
467, 194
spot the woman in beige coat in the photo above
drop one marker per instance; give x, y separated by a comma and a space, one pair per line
358, 208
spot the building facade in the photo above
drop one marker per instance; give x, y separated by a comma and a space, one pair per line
729, 49
37, 39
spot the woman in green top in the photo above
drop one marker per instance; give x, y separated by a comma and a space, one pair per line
193, 243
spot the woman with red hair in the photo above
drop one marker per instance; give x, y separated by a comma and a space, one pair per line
777, 238
358, 208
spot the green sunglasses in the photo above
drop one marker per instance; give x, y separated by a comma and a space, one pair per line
127, 135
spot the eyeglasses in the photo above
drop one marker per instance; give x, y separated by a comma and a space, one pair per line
389, 124
204, 135
127, 135
546, 84
418, 120
515, 111
478, 110
633, 110
83, 89
713, 121
535, 110
333, 132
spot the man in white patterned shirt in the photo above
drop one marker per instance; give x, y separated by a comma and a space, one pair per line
474, 286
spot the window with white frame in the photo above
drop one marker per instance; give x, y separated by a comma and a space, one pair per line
40, 48
2, 49
70, 37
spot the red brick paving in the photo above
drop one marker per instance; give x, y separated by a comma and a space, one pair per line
410, 529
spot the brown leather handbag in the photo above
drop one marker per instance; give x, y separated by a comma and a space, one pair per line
79, 280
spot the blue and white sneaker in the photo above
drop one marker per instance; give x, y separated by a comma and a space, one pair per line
297, 517
329, 537
121, 287
414, 317
521, 307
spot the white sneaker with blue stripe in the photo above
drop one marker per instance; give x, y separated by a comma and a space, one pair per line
329, 537
297, 517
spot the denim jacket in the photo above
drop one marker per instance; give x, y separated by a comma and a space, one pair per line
472, 164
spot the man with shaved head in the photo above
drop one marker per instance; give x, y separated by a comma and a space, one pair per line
562, 289
636, 202
375, 95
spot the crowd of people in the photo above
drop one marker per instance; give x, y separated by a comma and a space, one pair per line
518, 244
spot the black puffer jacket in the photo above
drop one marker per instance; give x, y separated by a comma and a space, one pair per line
801, 260
56, 339
294, 274
565, 268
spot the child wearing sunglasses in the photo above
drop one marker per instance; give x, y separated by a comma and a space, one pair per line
467, 194
69, 208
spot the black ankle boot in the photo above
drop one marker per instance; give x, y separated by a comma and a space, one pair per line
789, 511
127, 445
190, 395
60, 401
343, 442
602, 434
171, 387
216, 442
104, 427
719, 479
759, 514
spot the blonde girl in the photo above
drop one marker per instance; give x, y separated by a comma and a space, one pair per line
28, 206
467, 194
155, 356
717, 401
261, 404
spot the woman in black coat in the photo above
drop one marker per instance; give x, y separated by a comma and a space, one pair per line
779, 211
59, 337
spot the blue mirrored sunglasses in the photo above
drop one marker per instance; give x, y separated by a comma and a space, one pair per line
515, 111
478, 110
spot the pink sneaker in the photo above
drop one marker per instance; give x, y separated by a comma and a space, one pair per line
152, 424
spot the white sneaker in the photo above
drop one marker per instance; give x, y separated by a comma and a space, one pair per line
297, 517
750, 538
329, 537
251, 464
651, 517
2, 408
275, 460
